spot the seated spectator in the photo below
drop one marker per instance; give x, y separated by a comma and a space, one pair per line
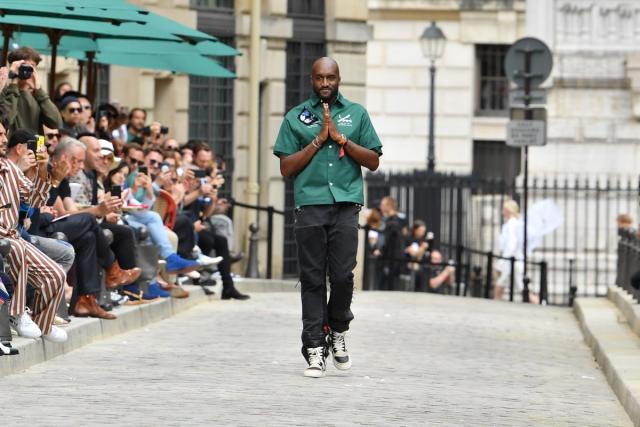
416, 249
52, 138
71, 111
144, 216
25, 262
26, 103
106, 118
625, 223
170, 144
84, 233
133, 156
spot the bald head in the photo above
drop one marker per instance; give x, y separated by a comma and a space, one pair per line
325, 78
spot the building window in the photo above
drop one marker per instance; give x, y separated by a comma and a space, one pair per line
496, 160
493, 86
212, 4
211, 115
306, 8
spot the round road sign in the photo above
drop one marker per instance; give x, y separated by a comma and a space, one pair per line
539, 58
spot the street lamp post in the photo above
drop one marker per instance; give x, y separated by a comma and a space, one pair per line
432, 42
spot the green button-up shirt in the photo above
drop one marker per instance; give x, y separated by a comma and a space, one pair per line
327, 179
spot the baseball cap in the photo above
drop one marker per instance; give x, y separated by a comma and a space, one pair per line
106, 148
21, 136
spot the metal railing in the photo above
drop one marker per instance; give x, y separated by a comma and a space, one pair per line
271, 211
628, 268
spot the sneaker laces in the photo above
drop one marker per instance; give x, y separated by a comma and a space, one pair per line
316, 356
337, 342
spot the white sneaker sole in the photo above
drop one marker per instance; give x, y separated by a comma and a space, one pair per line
313, 373
341, 366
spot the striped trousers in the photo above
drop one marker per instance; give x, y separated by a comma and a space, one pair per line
28, 265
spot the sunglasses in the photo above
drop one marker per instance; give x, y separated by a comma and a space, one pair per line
171, 148
52, 135
86, 107
153, 162
135, 162
74, 110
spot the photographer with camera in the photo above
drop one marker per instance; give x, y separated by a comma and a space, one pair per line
26, 103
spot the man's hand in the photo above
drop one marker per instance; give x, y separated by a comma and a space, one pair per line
197, 226
13, 69
164, 178
333, 131
112, 218
42, 158
326, 120
4, 77
34, 80
109, 205
50, 210
27, 162
59, 170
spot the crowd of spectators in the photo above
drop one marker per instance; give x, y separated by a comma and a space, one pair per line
106, 195
404, 258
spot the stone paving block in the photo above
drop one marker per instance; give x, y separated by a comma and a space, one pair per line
129, 317
31, 353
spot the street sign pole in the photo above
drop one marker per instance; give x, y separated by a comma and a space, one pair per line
528, 64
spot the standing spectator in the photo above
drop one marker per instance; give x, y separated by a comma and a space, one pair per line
418, 251
393, 249
26, 103
137, 119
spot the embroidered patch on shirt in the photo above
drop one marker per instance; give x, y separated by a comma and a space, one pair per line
307, 117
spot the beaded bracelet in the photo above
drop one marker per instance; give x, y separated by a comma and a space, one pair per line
315, 143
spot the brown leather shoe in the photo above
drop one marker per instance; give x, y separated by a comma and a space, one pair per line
87, 306
116, 276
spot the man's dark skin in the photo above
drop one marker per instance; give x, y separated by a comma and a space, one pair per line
325, 79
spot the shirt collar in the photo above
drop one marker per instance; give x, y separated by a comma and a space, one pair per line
315, 100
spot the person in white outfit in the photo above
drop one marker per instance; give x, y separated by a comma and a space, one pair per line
511, 245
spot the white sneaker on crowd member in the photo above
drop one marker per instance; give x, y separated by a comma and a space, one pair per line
56, 335
208, 261
193, 275
341, 359
24, 326
316, 360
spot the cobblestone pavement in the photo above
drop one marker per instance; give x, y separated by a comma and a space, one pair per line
418, 360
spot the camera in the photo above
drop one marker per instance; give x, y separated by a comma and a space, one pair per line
25, 72
143, 170
200, 173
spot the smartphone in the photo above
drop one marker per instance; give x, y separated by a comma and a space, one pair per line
116, 191
39, 146
164, 167
200, 173
143, 169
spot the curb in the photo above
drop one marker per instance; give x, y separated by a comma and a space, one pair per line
615, 347
83, 331
627, 305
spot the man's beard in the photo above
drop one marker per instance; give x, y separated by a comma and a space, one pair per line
331, 96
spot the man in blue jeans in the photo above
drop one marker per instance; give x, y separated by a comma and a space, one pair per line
323, 143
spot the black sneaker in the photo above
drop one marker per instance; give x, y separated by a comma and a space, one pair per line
341, 359
316, 359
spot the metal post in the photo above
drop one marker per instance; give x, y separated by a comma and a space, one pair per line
512, 278
80, 75
489, 284
91, 77
543, 283
269, 240
7, 32
528, 116
252, 263
54, 39
431, 155
572, 288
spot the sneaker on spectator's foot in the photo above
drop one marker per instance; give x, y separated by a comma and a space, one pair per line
178, 265
316, 358
341, 359
24, 326
7, 350
56, 335
194, 275
207, 261
155, 291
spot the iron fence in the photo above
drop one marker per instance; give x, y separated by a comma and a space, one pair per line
465, 211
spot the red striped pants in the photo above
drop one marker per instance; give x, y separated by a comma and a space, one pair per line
28, 264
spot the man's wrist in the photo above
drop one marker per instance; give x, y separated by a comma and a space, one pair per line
316, 143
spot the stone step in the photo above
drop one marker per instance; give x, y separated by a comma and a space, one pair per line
628, 306
615, 347
83, 331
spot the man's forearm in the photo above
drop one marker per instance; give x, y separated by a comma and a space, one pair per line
363, 156
293, 164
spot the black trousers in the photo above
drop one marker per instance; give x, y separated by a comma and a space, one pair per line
208, 241
123, 246
183, 227
84, 234
327, 241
